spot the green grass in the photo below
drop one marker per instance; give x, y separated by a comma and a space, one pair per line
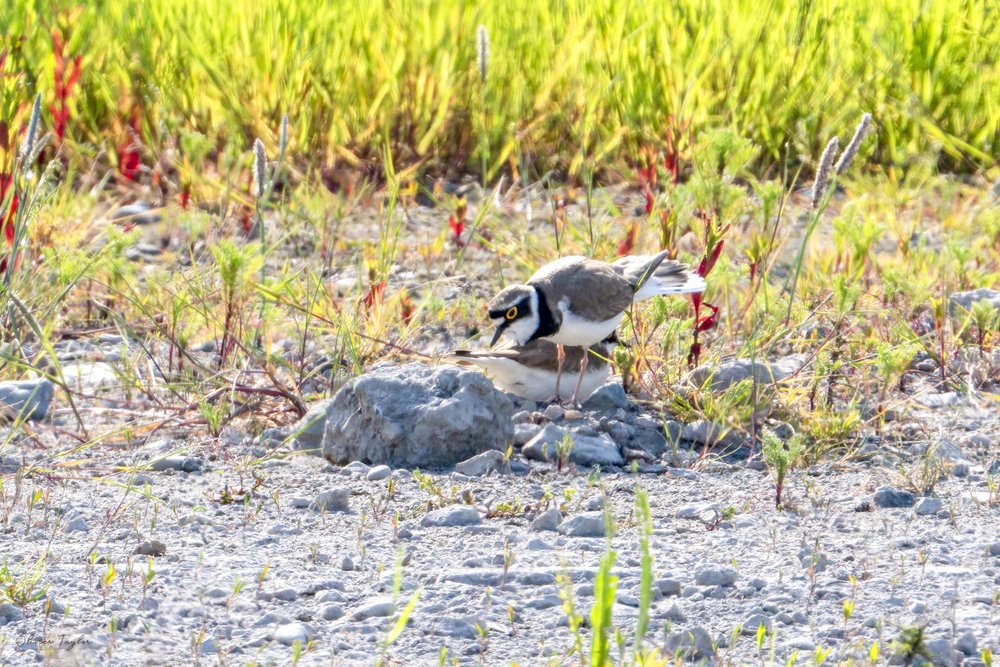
580, 87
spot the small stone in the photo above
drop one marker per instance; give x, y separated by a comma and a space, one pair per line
481, 464
674, 613
76, 525
456, 515
967, 643
941, 652
347, 564
334, 500
697, 511
995, 549
588, 524
961, 469
609, 397
523, 433
891, 497
181, 463
30, 398
928, 506
378, 473
573, 415
374, 608
586, 450
331, 612
918, 607
710, 575
150, 548
289, 633
554, 412
694, 643
752, 624
139, 213
547, 520
668, 586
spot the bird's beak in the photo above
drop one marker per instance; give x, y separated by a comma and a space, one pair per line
498, 333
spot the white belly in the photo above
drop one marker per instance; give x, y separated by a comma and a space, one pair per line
536, 384
578, 331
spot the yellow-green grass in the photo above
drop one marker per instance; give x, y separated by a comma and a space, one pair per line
575, 86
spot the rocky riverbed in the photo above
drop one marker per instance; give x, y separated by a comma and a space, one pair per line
254, 550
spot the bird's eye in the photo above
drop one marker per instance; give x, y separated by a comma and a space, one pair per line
512, 313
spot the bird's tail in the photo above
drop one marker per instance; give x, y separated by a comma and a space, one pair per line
654, 275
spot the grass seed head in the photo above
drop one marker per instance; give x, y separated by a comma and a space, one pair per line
852, 148
29, 138
259, 166
823, 172
482, 52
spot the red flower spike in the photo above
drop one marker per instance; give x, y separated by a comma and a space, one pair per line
628, 243
373, 298
708, 262
406, 308
708, 322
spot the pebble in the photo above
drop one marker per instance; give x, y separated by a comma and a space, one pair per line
674, 613
378, 473
890, 497
554, 412
289, 633
524, 432
150, 548
491, 460
694, 642
28, 397
547, 520
927, 506
331, 612
941, 652
374, 608
455, 515
609, 397
588, 524
668, 586
752, 624
181, 463
710, 575
334, 500
967, 643
347, 564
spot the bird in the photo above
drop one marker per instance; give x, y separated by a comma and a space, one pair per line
529, 371
578, 301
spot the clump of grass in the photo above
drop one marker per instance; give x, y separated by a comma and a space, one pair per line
780, 456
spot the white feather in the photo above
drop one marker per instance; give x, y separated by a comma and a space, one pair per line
536, 384
660, 287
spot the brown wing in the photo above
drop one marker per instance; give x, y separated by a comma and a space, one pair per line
596, 290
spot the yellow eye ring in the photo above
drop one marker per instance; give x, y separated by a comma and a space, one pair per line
512, 313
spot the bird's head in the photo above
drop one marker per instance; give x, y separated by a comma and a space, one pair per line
515, 310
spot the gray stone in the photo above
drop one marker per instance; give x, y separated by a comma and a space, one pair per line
334, 500
609, 397
182, 463
967, 643
649, 440
76, 523
814, 559
928, 506
697, 512
713, 575
554, 412
347, 564
752, 624
693, 643
586, 450
480, 464
889, 497
960, 303
374, 608
523, 433
728, 373
547, 520
941, 652
668, 586
588, 524
28, 398
331, 612
708, 433
150, 548
289, 633
412, 415
995, 549
674, 613
139, 213
378, 473
455, 515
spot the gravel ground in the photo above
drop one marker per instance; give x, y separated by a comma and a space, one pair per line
244, 568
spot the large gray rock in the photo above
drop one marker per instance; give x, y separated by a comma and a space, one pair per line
30, 398
722, 376
409, 416
587, 450
960, 303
